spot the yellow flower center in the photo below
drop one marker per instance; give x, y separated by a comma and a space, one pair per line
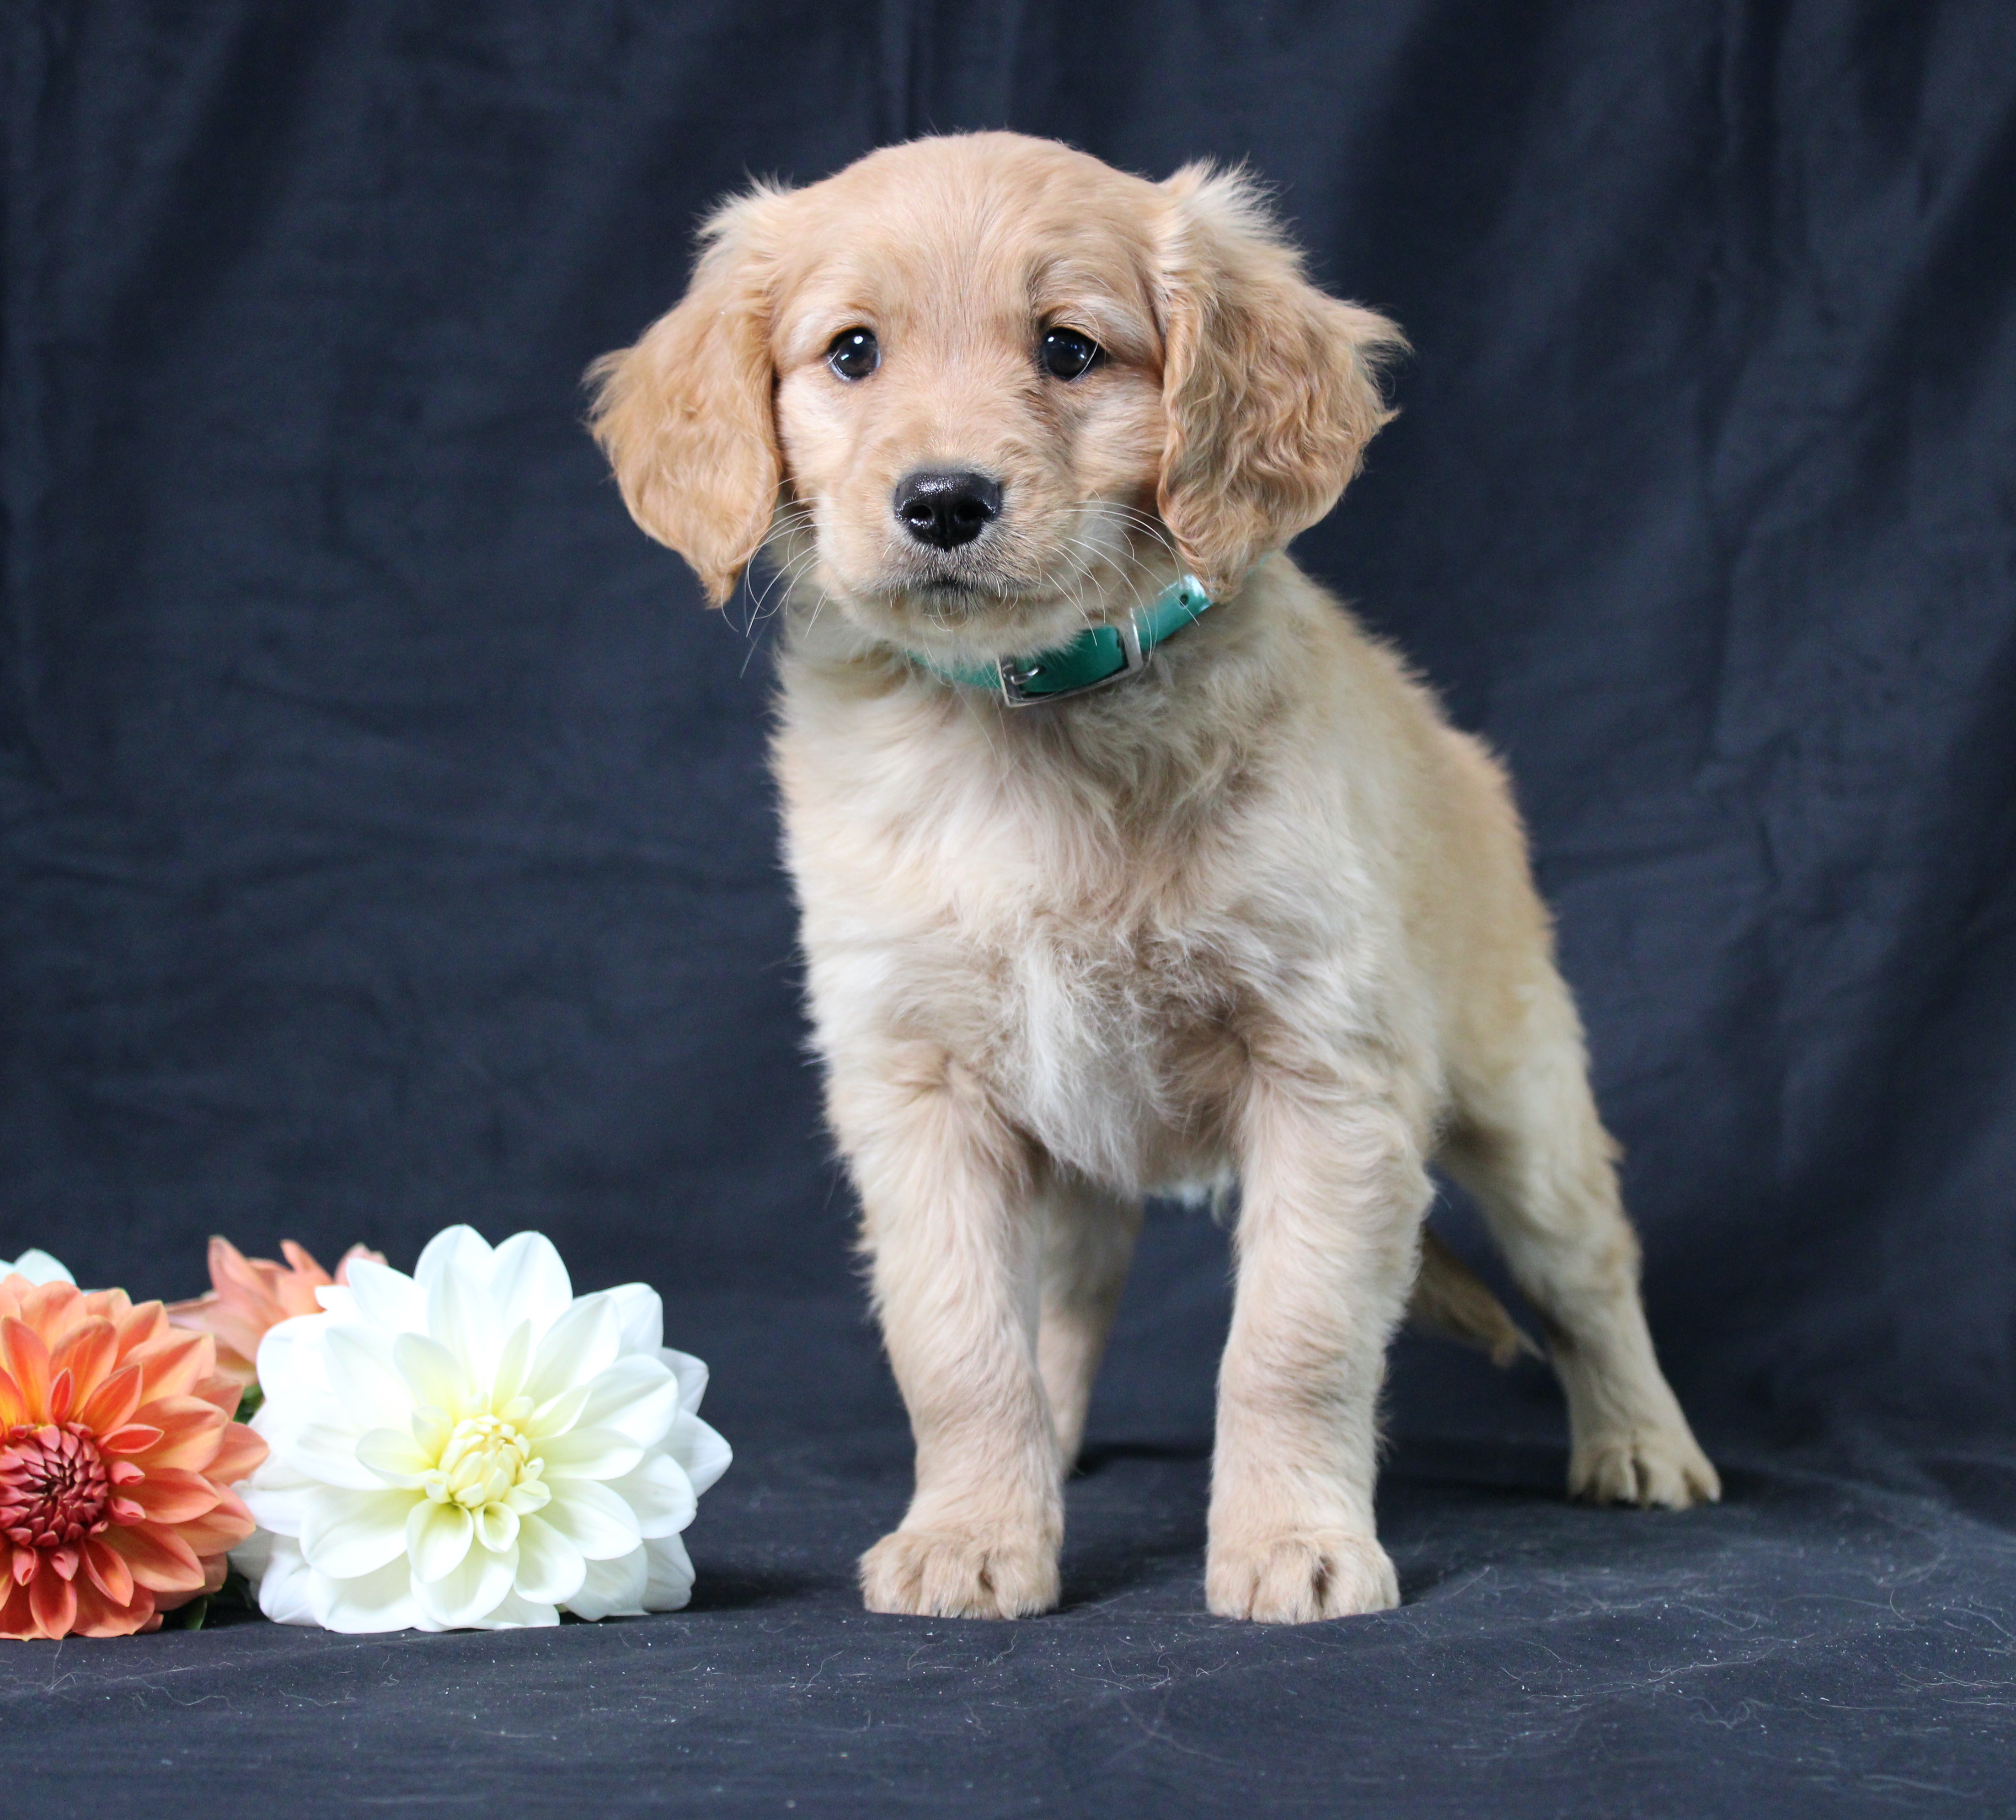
487, 1460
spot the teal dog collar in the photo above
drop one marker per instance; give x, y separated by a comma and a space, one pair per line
1098, 655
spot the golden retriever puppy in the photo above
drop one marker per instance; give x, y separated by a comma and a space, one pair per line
1128, 863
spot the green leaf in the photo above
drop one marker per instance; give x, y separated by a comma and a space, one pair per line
248, 1405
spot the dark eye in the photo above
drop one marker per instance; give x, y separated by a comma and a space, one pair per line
1065, 353
853, 353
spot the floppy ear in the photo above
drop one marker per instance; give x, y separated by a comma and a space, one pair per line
685, 416
1270, 388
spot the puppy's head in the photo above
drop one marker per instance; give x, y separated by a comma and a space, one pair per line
980, 385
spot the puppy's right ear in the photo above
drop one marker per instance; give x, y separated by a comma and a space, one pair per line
685, 416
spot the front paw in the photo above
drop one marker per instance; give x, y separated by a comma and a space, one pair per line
958, 1573
1644, 1466
1300, 1576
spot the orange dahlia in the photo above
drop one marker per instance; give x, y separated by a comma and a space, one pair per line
118, 1452
247, 1295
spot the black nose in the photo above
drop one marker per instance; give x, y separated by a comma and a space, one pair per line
945, 509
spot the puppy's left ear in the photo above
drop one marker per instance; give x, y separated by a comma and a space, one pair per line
685, 417
1270, 388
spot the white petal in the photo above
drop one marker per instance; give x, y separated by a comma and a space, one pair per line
704, 1453
37, 1266
593, 1518
558, 1416
613, 1589
472, 1592
514, 1360
289, 1360
670, 1584
642, 1315
383, 1296
328, 1454
691, 1374
460, 1250
276, 1498
589, 1453
528, 1282
461, 1317
434, 1375
383, 1601
497, 1528
583, 1341
360, 1375
285, 1583
437, 1539
636, 1396
344, 1533
550, 1567
397, 1458
252, 1556
659, 1495
514, 1613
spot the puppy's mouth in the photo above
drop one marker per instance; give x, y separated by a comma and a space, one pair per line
941, 591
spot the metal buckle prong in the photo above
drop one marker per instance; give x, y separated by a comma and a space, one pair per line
1016, 673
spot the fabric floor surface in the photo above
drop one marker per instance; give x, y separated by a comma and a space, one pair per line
1835, 1638
1811, 1647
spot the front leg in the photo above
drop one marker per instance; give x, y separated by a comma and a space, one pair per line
1333, 1195
1089, 1237
955, 1241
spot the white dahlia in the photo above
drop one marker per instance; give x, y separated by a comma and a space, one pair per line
37, 1266
475, 1446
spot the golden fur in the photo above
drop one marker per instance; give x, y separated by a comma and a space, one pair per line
1259, 914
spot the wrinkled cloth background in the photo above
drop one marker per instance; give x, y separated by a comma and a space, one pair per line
385, 842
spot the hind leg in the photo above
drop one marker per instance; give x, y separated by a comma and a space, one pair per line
1089, 1239
1530, 1148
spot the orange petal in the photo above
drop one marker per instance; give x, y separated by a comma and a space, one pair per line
28, 1362
107, 1304
190, 1432
53, 1601
17, 1616
132, 1437
98, 1617
301, 1260
86, 1353
172, 1496
176, 1365
106, 1569
53, 1309
224, 1528
221, 1392
13, 1405
140, 1325
161, 1561
63, 1387
111, 1405
237, 1456
231, 1269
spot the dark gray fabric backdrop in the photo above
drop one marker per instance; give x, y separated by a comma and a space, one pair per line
384, 841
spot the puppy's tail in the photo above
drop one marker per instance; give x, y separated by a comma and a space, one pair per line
1451, 1302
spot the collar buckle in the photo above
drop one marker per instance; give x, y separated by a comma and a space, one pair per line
1019, 676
